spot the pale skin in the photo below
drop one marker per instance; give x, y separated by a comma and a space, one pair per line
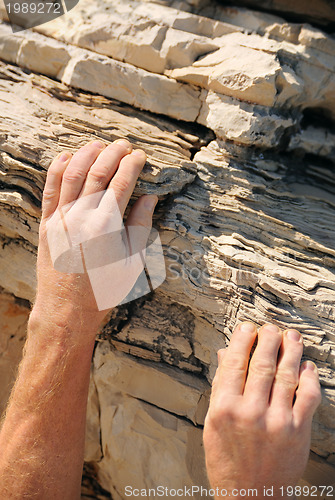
258, 427
43, 433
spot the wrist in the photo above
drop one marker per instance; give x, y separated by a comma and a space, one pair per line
61, 321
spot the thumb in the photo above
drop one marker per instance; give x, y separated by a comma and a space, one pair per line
139, 222
141, 213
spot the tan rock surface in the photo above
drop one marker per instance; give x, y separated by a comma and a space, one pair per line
142, 436
283, 75
75, 118
317, 11
246, 212
13, 322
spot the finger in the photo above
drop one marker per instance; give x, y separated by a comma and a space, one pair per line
141, 212
53, 183
231, 374
103, 169
220, 355
287, 375
308, 395
263, 364
124, 181
75, 173
139, 222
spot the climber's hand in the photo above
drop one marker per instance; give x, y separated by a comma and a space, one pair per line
84, 200
258, 427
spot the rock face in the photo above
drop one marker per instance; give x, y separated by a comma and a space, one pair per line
13, 319
318, 11
235, 109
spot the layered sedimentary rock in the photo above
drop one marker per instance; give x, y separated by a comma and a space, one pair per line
235, 109
317, 11
187, 66
320, 12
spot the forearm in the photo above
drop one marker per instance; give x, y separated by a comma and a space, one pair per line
42, 438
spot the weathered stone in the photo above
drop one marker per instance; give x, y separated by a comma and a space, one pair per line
314, 141
318, 473
93, 451
168, 388
133, 86
90, 486
125, 34
320, 11
241, 122
13, 322
283, 75
247, 222
69, 124
134, 425
235, 71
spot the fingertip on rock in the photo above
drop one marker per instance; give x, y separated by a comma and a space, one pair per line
247, 327
140, 154
293, 335
270, 328
124, 143
98, 144
309, 366
64, 156
150, 202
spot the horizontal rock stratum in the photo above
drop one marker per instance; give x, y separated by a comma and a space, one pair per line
235, 110
186, 66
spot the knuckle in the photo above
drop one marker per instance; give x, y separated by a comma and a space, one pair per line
315, 394
252, 417
53, 170
221, 413
48, 194
234, 362
281, 424
262, 368
121, 185
287, 378
228, 415
99, 174
73, 175
118, 147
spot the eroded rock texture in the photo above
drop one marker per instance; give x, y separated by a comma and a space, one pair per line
235, 109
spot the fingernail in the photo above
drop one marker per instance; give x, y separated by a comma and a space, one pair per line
150, 202
98, 144
124, 143
247, 327
140, 153
293, 335
64, 157
309, 365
